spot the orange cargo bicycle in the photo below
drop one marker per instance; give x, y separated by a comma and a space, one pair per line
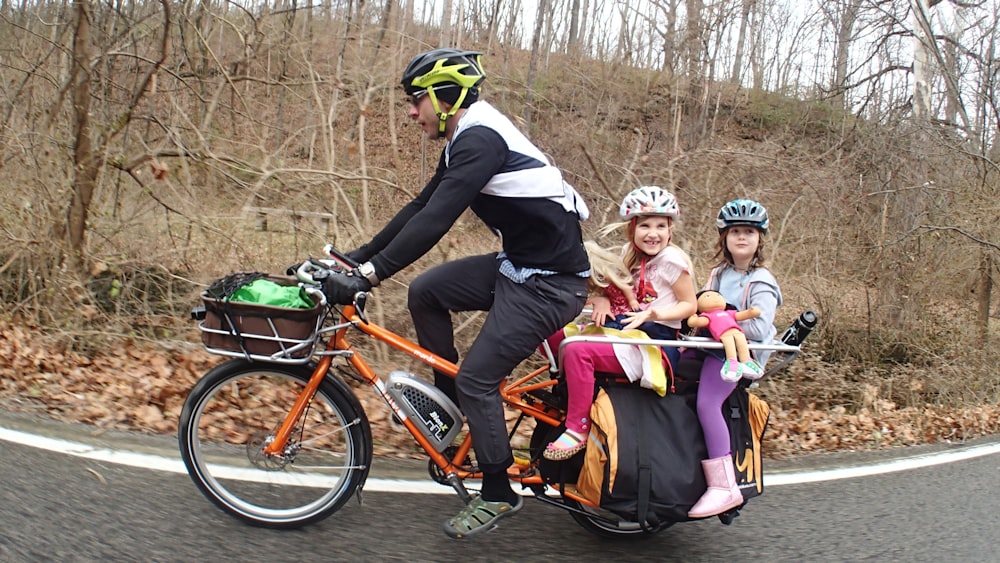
276, 437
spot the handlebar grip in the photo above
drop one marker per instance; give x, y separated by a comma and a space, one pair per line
339, 256
304, 273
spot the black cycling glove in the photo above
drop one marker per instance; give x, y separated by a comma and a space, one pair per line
340, 288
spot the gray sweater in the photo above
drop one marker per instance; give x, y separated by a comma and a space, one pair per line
759, 289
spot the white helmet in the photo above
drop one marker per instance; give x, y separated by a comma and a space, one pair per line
649, 200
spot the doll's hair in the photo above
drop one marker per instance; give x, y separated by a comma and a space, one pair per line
606, 268
725, 257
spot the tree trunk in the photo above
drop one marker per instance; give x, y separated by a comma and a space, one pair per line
85, 164
536, 40
445, 38
845, 34
984, 295
573, 41
736, 76
491, 29
757, 45
921, 81
696, 40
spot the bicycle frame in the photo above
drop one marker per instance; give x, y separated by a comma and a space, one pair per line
338, 345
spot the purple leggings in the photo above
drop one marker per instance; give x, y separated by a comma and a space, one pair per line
712, 392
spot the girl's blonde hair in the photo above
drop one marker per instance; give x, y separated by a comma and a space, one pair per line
606, 268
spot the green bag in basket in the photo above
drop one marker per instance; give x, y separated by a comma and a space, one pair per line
266, 292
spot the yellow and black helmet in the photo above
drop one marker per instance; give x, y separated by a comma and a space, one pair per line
450, 75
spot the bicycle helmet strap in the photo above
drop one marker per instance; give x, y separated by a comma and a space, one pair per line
442, 115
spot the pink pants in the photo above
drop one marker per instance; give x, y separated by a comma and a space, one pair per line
580, 361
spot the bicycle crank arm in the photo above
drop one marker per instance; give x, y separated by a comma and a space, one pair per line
459, 487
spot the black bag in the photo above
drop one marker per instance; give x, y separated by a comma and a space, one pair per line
643, 461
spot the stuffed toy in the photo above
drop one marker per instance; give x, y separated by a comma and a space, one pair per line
722, 324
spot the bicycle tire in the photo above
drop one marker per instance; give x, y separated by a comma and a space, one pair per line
235, 409
608, 525
602, 523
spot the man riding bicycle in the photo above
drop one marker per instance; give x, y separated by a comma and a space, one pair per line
534, 286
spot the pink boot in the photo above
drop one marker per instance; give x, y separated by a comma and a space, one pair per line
723, 494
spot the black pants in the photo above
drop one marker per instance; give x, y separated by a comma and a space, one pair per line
520, 316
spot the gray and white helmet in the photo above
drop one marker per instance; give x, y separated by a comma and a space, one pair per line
743, 212
649, 200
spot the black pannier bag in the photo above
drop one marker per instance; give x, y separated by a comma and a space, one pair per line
643, 460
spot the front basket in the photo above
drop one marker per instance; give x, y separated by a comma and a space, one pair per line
261, 332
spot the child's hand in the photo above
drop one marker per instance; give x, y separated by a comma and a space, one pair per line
636, 318
601, 310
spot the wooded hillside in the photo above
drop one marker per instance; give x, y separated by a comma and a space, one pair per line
148, 148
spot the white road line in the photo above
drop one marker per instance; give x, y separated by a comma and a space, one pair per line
901, 464
174, 465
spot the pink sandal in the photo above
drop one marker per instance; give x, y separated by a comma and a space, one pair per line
567, 445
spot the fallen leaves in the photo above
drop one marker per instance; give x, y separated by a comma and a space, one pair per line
142, 388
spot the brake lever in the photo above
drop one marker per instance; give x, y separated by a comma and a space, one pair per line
360, 299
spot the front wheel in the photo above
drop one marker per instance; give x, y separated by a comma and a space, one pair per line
234, 411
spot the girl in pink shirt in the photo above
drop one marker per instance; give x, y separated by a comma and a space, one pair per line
664, 287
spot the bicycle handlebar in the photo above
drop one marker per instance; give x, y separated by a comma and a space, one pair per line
313, 271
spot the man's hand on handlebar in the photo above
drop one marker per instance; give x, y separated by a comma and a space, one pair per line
339, 276
341, 287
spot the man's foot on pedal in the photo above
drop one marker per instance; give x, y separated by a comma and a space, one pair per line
480, 516
567, 445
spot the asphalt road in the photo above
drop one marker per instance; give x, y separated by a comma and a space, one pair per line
62, 507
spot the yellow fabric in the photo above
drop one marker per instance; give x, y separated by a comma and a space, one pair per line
588, 484
759, 412
654, 375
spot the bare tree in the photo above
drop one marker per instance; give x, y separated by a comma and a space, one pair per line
90, 145
536, 55
573, 38
741, 38
843, 16
447, 28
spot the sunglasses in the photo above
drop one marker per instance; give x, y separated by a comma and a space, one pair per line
415, 97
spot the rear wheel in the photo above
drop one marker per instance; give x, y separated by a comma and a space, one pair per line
233, 413
600, 522
609, 525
